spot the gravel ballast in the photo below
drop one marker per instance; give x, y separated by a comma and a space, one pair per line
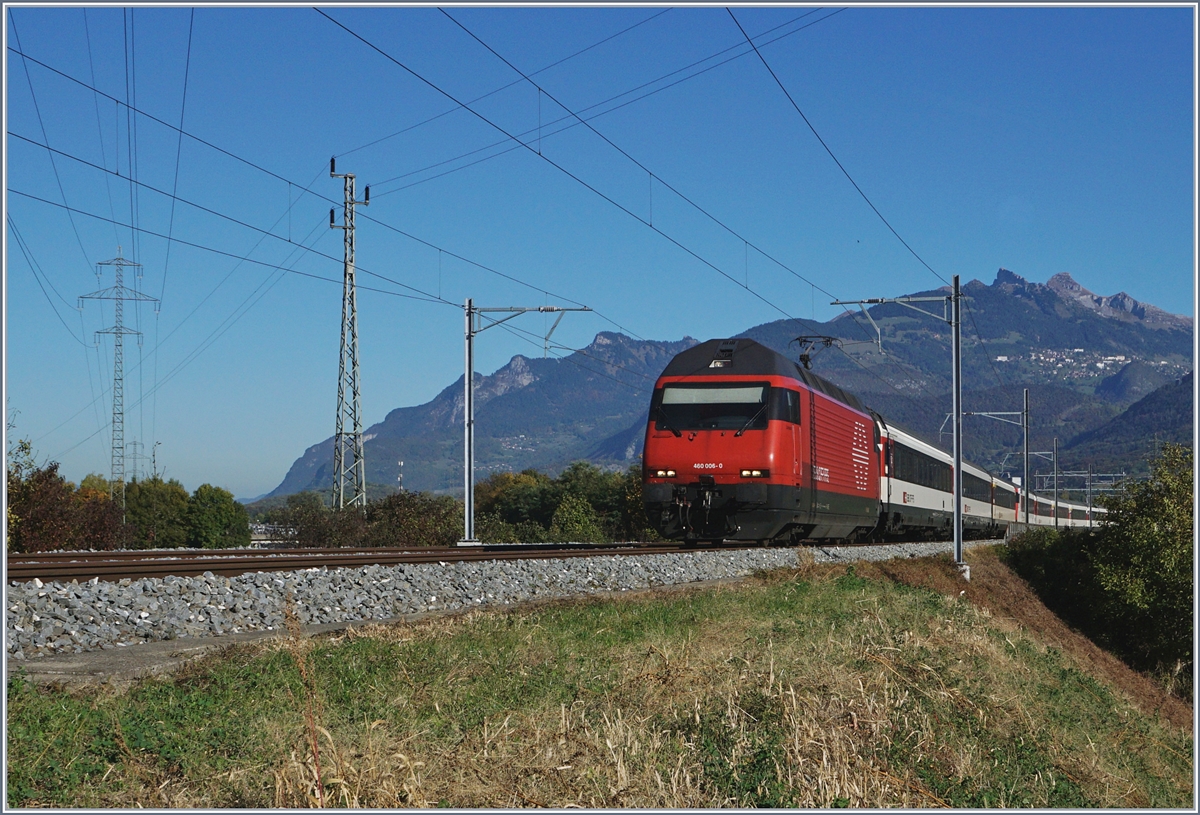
57, 618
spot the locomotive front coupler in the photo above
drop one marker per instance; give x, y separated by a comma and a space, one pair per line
707, 489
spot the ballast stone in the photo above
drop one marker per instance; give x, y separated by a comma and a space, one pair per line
42, 619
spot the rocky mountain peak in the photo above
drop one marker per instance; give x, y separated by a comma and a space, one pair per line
1119, 306
1064, 284
1005, 277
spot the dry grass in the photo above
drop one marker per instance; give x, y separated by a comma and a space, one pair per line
808, 687
1011, 601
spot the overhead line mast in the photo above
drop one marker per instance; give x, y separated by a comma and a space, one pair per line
349, 468
954, 319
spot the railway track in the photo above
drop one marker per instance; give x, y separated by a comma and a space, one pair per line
119, 565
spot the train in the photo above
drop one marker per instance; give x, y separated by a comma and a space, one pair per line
743, 444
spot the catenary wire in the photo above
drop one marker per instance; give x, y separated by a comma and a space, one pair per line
187, 65
593, 189
601, 103
638, 163
504, 87
308, 189
982, 344
845, 172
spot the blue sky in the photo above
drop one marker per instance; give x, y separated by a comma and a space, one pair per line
1040, 140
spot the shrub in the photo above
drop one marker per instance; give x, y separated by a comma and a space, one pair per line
157, 512
414, 519
216, 521
1143, 561
575, 521
1127, 585
46, 513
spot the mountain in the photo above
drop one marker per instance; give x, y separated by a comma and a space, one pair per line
542, 413
1120, 306
1084, 357
1135, 380
1128, 441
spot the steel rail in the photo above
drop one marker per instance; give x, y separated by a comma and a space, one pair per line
115, 566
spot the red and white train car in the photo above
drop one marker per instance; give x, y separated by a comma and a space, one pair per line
744, 444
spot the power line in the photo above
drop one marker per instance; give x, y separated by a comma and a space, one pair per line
143, 230
845, 172
600, 104
33, 267
588, 186
307, 189
229, 218
504, 87
37, 109
207, 342
99, 127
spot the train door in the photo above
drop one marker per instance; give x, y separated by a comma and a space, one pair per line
793, 417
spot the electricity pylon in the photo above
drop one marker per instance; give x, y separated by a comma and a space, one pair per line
349, 469
118, 293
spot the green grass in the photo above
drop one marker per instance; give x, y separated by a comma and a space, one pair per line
710, 697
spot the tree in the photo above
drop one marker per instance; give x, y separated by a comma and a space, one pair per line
1143, 559
45, 513
157, 512
215, 520
414, 519
635, 525
95, 482
575, 521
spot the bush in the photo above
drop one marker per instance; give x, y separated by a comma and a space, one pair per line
1143, 560
46, 513
400, 519
414, 519
575, 521
522, 506
156, 511
1127, 585
215, 520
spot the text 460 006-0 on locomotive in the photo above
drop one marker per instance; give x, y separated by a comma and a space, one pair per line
743, 444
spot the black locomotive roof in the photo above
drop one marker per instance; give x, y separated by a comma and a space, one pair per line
743, 357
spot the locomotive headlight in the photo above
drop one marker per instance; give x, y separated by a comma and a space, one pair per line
755, 473
664, 473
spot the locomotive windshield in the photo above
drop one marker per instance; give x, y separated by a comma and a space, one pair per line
711, 406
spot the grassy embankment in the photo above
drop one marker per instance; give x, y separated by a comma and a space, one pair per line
875, 686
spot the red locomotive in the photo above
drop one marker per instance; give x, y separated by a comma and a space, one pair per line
744, 444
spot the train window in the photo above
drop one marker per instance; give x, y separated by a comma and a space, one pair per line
1005, 498
976, 488
711, 406
785, 405
918, 468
